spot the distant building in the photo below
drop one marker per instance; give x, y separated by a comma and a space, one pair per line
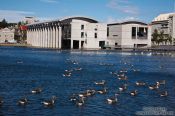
7, 35
130, 34
30, 20
165, 23
68, 33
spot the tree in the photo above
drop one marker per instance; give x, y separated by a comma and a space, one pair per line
155, 36
3, 24
169, 39
161, 37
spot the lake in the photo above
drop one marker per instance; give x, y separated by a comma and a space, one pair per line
23, 69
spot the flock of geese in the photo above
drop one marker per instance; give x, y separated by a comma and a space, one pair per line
80, 98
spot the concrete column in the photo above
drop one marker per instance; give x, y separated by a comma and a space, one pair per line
48, 37
71, 44
51, 38
53, 42
42, 37
56, 38
60, 37
79, 44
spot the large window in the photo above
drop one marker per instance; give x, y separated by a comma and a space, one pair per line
142, 33
82, 34
133, 32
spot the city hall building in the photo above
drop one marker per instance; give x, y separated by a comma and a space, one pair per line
130, 34
68, 33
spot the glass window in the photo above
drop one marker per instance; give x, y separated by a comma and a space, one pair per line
95, 35
133, 32
82, 27
82, 34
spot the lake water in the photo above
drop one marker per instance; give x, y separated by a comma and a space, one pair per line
22, 69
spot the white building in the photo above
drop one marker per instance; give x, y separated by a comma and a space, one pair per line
131, 34
68, 33
7, 35
165, 23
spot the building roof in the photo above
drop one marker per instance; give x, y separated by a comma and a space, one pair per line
128, 22
79, 18
163, 17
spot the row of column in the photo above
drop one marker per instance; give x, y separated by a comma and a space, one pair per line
45, 37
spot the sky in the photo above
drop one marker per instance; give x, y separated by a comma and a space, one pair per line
106, 11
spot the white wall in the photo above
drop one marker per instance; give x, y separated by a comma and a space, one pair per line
124, 37
89, 30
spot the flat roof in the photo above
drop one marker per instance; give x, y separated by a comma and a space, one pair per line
128, 22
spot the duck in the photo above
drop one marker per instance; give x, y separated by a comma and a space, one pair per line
112, 100
36, 90
104, 91
23, 101
103, 82
133, 93
1, 101
139, 83
50, 102
164, 94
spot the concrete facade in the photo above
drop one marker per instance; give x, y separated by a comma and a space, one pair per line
165, 23
7, 35
129, 34
68, 33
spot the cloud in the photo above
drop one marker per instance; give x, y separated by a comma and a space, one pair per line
124, 6
14, 15
113, 20
49, 1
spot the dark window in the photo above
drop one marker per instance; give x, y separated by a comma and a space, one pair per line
95, 35
115, 35
95, 29
101, 44
133, 32
107, 31
142, 33
82, 27
82, 34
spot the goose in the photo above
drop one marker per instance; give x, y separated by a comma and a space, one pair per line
67, 74
153, 87
140, 83
112, 100
123, 78
23, 101
134, 93
161, 82
36, 90
1, 101
49, 102
80, 101
122, 88
100, 83
68, 71
78, 69
164, 94
73, 98
104, 91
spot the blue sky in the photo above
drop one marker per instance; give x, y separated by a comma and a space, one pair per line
102, 10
